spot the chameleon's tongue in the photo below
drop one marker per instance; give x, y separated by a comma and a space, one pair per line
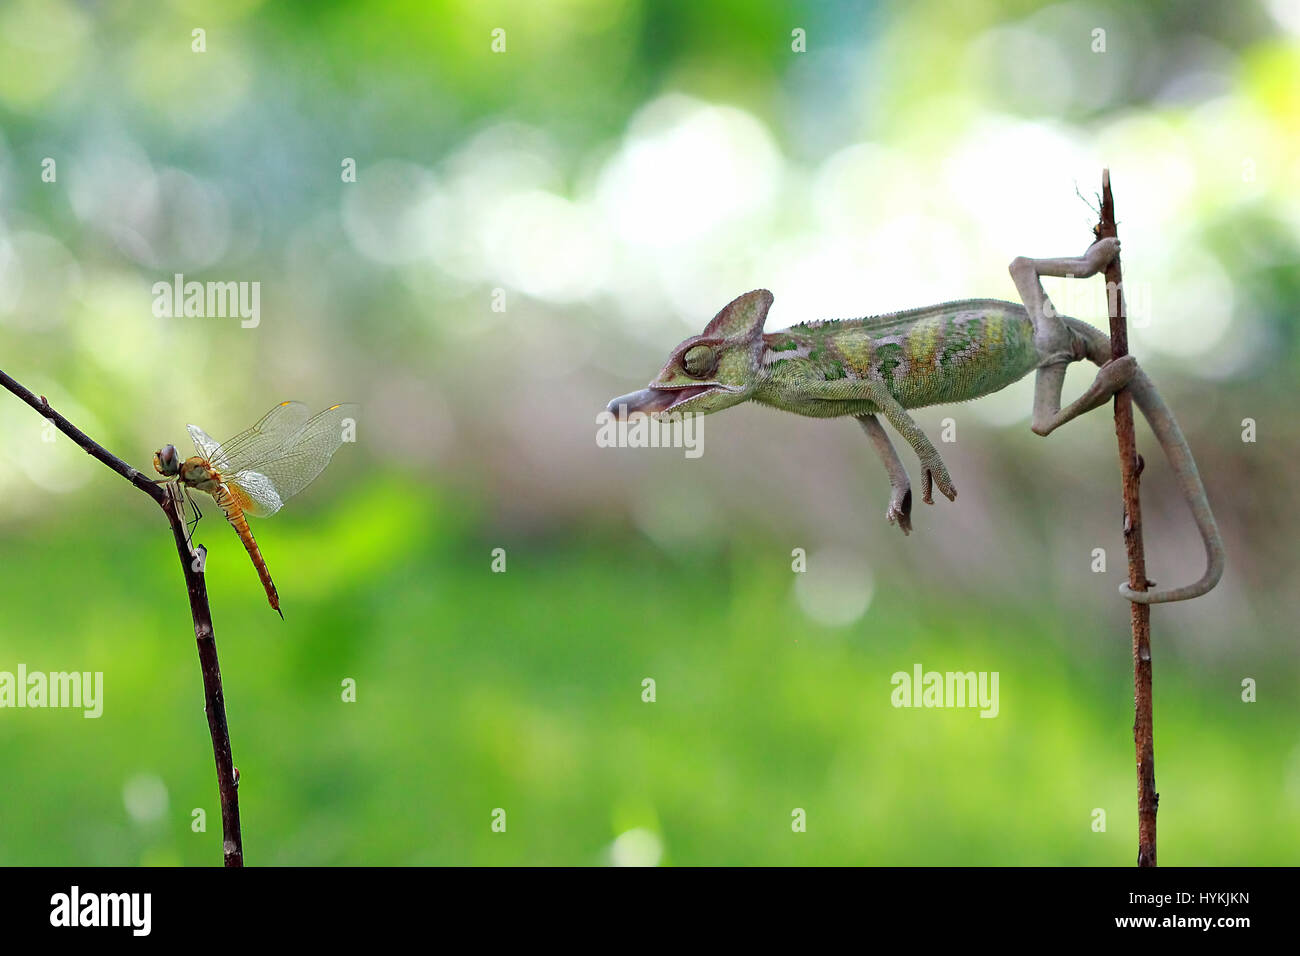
648, 401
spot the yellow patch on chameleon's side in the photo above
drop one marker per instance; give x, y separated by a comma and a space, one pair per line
923, 341
995, 330
856, 348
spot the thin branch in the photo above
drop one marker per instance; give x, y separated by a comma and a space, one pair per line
192, 567
1130, 463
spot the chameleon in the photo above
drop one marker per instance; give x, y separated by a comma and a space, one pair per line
881, 366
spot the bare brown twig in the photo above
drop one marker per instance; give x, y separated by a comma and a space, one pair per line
1130, 463
191, 566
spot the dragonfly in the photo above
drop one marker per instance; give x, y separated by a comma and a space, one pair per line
257, 471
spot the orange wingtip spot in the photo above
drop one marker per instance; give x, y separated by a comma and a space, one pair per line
332, 407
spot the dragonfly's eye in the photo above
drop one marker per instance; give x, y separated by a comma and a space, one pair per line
166, 461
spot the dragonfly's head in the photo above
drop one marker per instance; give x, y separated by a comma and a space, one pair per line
708, 372
167, 461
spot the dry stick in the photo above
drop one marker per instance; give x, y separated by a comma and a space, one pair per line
1130, 463
215, 702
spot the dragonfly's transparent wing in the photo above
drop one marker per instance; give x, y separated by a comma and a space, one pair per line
266, 438
206, 446
255, 493
269, 480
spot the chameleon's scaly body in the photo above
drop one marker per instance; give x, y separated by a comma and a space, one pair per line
884, 365
942, 353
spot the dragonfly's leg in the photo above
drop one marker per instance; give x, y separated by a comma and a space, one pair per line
193, 523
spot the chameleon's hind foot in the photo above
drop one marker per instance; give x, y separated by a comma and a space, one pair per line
900, 509
1100, 254
1111, 377
934, 473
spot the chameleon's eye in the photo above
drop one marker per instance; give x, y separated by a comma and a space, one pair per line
699, 361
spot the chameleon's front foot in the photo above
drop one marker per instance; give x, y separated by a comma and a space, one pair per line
900, 508
934, 473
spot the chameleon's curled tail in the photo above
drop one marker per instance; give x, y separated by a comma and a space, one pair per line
1171, 439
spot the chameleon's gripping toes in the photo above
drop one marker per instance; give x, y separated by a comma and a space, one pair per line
951, 352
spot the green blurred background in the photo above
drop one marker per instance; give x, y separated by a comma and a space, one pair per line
617, 174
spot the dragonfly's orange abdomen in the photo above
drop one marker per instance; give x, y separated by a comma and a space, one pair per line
234, 511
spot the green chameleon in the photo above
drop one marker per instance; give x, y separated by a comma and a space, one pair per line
950, 352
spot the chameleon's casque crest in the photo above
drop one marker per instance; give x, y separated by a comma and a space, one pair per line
743, 316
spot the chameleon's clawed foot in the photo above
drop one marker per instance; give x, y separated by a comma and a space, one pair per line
1117, 373
900, 509
1100, 254
1111, 377
936, 474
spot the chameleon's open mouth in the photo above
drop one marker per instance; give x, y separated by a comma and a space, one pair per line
652, 401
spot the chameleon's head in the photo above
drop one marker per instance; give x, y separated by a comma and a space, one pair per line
710, 371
